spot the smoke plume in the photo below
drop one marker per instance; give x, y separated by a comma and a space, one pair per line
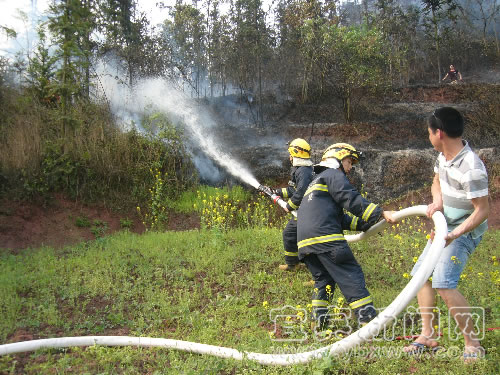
127, 103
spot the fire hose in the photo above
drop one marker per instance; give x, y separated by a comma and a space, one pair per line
369, 331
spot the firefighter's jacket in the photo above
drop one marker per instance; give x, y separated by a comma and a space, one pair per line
321, 217
301, 177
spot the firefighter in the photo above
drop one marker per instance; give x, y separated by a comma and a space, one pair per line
322, 246
301, 176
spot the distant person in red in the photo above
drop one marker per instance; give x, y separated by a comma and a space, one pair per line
454, 75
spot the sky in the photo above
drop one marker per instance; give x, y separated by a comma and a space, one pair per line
34, 9
9, 17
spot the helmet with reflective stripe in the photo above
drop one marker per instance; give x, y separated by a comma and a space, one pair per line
340, 151
299, 148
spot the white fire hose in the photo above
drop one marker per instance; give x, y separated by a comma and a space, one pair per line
369, 331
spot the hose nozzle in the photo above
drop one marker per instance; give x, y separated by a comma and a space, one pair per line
265, 189
276, 199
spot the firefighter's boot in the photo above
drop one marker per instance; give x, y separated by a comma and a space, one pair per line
288, 267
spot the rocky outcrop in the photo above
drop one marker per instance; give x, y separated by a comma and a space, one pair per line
383, 175
392, 133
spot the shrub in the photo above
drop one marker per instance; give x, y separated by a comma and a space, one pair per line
96, 161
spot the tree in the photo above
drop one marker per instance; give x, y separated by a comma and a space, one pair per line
251, 46
11, 33
486, 12
218, 37
85, 42
69, 26
400, 28
301, 42
187, 35
41, 70
436, 11
125, 35
355, 62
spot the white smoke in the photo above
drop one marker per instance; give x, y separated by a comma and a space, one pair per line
127, 102
207, 170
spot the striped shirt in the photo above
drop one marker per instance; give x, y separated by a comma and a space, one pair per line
462, 179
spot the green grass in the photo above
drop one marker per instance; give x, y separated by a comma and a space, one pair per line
215, 288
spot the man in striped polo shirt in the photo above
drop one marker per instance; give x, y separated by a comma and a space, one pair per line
460, 190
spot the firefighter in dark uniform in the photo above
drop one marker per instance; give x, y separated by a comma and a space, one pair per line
321, 243
301, 177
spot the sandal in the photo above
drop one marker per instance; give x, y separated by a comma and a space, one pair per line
419, 349
476, 354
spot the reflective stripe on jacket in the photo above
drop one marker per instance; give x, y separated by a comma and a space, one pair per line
301, 177
321, 217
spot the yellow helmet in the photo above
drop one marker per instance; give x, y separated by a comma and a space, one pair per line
340, 151
299, 148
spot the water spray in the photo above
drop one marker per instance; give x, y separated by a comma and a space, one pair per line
158, 93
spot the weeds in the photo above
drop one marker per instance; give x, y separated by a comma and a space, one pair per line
99, 162
126, 223
221, 210
82, 222
219, 288
99, 228
155, 218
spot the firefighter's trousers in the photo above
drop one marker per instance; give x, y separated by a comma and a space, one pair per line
290, 242
339, 267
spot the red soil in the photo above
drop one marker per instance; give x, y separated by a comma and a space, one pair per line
24, 225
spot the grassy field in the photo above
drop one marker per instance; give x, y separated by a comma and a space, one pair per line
221, 287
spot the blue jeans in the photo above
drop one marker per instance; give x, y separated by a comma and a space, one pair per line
452, 261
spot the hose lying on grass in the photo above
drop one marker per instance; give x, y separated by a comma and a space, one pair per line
367, 332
